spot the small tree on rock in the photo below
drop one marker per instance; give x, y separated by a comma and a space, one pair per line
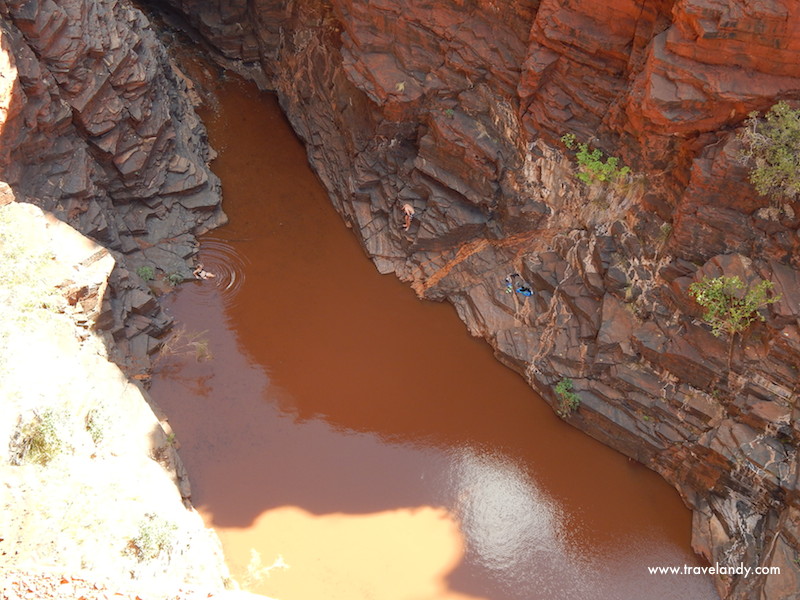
731, 307
772, 145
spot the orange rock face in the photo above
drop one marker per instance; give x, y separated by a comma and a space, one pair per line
654, 71
718, 61
580, 60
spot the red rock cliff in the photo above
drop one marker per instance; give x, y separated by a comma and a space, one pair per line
452, 111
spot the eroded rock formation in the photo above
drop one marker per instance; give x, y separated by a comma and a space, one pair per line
97, 128
454, 109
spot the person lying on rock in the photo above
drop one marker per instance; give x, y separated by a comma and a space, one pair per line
521, 287
524, 289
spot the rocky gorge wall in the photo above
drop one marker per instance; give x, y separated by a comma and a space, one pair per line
450, 113
96, 127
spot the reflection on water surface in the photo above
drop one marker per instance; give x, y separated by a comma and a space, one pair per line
363, 437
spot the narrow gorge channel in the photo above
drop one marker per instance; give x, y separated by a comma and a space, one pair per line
362, 436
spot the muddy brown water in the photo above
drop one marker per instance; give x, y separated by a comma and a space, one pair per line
349, 441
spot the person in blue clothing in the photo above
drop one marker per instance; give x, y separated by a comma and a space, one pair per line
520, 286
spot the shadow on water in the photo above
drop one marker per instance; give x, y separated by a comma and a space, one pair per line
340, 412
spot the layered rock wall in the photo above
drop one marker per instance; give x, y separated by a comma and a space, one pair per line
451, 113
97, 128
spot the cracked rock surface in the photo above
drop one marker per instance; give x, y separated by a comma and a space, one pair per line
98, 129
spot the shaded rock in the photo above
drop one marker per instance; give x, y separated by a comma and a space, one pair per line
95, 118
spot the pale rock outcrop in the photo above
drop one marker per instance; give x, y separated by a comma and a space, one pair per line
90, 483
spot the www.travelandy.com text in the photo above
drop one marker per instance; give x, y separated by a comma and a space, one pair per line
715, 569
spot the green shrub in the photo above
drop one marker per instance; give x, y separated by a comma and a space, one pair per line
175, 279
730, 308
568, 400
772, 146
146, 272
568, 139
592, 165
41, 441
156, 535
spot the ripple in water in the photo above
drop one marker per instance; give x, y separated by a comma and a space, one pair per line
220, 258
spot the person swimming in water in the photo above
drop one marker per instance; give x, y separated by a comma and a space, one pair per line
200, 272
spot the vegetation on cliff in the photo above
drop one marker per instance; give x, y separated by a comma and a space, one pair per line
731, 306
772, 145
568, 401
592, 164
